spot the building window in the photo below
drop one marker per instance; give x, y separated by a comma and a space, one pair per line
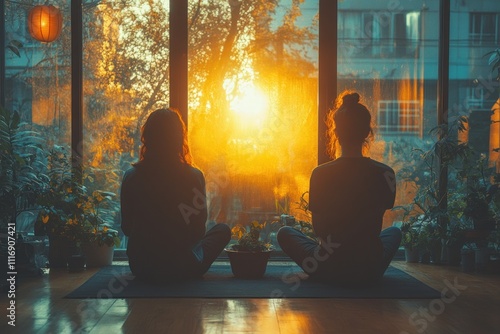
399, 118
484, 28
476, 97
480, 97
367, 34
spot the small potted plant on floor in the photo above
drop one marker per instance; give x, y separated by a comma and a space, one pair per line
453, 241
101, 239
454, 236
468, 258
430, 242
249, 255
410, 241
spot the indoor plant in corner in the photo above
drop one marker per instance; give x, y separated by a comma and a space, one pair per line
249, 256
73, 217
61, 208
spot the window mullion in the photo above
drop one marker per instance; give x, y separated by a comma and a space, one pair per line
327, 69
442, 110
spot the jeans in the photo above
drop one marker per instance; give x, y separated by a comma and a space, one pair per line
302, 250
210, 246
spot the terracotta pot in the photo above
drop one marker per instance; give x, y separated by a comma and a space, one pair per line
248, 264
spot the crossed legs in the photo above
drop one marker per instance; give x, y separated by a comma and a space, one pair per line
302, 249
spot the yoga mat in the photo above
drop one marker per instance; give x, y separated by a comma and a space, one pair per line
280, 281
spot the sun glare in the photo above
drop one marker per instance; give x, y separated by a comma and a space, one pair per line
251, 105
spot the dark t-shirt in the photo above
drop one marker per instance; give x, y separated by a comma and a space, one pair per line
348, 198
163, 213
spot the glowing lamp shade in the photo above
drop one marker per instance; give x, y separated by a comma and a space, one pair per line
45, 23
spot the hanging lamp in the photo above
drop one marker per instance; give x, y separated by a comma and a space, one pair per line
45, 23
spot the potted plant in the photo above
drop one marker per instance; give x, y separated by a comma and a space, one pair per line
100, 241
74, 218
453, 241
425, 217
410, 241
481, 184
431, 241
454, 236
249, 255
61, 206
467, 259
99, 246
473, 188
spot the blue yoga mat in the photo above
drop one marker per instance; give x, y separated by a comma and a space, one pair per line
280, 281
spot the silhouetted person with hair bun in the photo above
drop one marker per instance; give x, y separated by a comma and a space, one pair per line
163, 206
348, 198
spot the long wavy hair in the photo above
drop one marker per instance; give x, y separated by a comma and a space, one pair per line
164, 139
348, 123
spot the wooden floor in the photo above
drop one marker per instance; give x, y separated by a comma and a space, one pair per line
473, 307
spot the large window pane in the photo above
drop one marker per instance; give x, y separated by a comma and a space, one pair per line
253, 89
474, 93
126, 56
252, 98
37, 86
253, 105
388, 52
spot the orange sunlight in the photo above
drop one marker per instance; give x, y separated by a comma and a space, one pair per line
258, 153
250, 105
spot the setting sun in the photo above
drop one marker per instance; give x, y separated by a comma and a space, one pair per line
251, 105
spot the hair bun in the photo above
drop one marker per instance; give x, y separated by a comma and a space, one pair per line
350, 99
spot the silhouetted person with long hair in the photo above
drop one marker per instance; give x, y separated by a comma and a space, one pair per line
163, 206
347, 197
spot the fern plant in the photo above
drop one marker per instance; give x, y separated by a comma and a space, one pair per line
21, 167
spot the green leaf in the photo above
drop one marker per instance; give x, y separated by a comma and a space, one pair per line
16, 43
16, 119
494, 57
14, 50
117, 241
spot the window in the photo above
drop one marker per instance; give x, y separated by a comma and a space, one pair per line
253, 117
255, 102
484, 28
399, 118
480, 103
383, 34
476, 97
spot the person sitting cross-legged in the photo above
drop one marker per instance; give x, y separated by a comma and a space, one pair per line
347, 198
163, 206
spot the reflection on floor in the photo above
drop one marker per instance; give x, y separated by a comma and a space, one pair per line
471, 308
